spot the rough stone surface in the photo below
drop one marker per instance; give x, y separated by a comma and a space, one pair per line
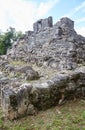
31, 75
42, 24
57, 46
46, 67
27, 98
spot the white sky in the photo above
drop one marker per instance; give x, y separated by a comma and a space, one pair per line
21, 14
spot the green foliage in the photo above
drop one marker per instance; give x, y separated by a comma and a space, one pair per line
2, 46
83, 114
7, 39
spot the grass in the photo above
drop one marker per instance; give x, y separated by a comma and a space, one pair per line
70, 116
17, 63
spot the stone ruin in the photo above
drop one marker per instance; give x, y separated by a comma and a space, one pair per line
57, 46
42, 24
53, 70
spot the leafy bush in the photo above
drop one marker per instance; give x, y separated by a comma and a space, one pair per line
7, 39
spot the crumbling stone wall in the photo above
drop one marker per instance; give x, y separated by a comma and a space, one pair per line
60, 42
27, 99
57, 47
42, 24
65, 23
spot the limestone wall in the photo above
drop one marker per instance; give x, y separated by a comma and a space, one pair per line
27, 99
60, 42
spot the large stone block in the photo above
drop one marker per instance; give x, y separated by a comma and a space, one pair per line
65, 22
42, 24
27, 98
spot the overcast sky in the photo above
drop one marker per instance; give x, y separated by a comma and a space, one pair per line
21, 14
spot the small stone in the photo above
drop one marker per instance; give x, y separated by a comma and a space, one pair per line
32, 75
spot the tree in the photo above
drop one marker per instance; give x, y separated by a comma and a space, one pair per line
2, 46
7, 39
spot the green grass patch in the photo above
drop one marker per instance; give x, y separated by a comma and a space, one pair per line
71, 117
